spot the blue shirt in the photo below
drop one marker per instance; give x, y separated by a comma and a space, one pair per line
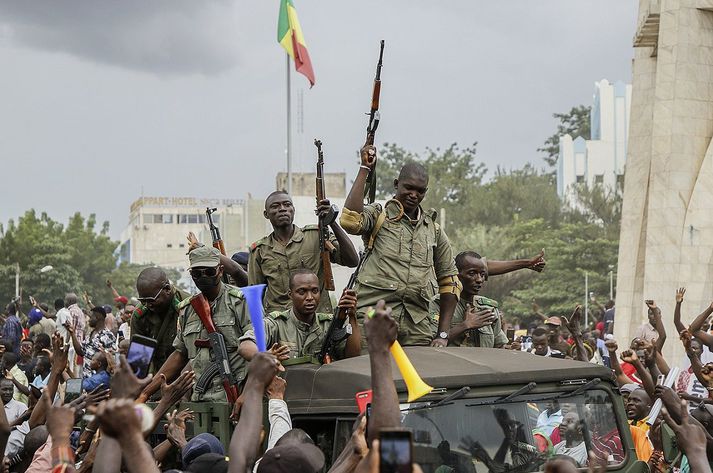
39, 382
100, 378
13, 331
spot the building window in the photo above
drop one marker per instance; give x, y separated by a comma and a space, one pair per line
169, 245
580, 179
158, 218
191, 218
181, 245
620, 181
599, 178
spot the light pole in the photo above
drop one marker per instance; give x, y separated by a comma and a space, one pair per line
611, 283
586, 299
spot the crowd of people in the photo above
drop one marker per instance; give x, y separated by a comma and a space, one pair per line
409, 288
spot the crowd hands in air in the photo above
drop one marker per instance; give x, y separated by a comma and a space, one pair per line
47, 424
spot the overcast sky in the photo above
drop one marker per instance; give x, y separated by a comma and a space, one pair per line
101, 99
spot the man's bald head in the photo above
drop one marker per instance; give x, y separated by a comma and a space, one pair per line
151, 277
413, 169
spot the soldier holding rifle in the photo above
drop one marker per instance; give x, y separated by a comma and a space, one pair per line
289, 248
228, 312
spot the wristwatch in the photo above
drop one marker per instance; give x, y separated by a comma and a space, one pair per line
443, 335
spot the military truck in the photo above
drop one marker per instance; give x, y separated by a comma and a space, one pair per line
490, 410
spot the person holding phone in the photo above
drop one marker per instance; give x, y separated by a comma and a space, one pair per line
98, 338
230, 316
476, 320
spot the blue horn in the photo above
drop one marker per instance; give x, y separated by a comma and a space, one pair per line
253, 296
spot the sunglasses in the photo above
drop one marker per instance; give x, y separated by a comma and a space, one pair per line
200, 272
151, 299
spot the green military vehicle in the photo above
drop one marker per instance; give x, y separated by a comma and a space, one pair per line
490, 410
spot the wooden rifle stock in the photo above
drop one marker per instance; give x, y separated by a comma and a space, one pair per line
374, 118
325, 246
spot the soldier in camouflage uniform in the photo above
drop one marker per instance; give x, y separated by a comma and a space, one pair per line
411, 255
300, 330
289, 248
157, 315
476, 321
230, 316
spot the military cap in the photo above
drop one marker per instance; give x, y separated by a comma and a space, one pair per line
204, 256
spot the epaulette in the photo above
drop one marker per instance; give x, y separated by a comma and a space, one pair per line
235, 291
139, 311
324, 317
259, 242
185, 302
310, 227
482, 300
279, 314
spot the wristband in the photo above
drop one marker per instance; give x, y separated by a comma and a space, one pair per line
62, 455
365, 167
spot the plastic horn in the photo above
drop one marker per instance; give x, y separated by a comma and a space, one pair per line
416, 386
253, 296
656, 408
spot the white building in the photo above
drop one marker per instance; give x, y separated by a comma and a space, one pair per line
601, 160
158, 226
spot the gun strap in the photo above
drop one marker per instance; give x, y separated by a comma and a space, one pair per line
300, 360
377, 226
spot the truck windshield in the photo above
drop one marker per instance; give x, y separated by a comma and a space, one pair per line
470, 435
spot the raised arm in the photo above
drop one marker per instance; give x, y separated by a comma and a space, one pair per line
348, 253
574, 326
355, 199
381, 331
701, 319
537, 263
246, 437
677, 311
612, 347
630, 356
658, 324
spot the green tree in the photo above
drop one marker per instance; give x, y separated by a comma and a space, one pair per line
519, 194
575, 123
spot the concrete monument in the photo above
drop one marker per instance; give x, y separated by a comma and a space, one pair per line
667, 222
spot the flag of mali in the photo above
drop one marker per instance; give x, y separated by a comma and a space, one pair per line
289, 35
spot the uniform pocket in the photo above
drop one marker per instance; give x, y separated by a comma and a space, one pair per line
231, 332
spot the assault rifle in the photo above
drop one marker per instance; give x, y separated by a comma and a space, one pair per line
217, 344
374, 117
337, 330
215, 236
325, 246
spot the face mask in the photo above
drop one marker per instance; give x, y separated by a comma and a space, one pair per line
205, 283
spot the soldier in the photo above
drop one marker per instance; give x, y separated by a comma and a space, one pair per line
407, 247
476, 321
230, 315
289, 248
300, 330
157, 315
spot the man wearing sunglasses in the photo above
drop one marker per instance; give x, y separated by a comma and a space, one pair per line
157, 315
230, 316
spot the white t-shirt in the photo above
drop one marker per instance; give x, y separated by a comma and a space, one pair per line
14, 409
63, 317
578, 452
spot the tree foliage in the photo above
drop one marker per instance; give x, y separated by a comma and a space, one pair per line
575, 123
81, 257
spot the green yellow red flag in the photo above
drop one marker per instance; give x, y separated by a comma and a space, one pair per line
289, 35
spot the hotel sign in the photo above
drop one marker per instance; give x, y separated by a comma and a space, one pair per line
172, 202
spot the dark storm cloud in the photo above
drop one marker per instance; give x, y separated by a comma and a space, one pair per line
170, 37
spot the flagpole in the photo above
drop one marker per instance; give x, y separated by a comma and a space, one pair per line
289, 129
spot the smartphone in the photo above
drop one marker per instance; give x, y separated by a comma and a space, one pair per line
363, 399
367, 411
141, 351
660, 380
511, 334
74, 390
395, 451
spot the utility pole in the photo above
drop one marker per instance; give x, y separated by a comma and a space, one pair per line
17, 280
586, 299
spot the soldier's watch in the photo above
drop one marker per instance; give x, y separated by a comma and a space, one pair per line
443, 335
